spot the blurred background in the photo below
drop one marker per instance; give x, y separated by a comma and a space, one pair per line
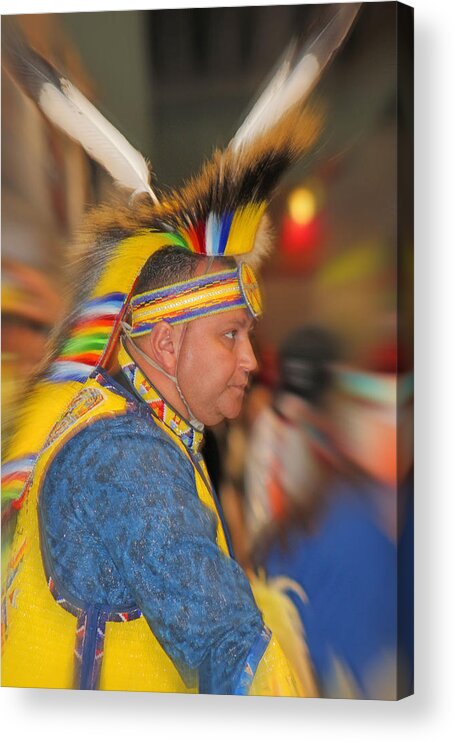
316, 477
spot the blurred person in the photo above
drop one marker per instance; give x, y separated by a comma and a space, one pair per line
278, 611
322, 518
30, 307
45, 187
286, 452
374, 423
237, 433
121, 573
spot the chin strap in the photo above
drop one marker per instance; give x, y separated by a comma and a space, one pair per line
194, 422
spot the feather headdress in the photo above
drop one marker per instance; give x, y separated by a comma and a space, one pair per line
220, 212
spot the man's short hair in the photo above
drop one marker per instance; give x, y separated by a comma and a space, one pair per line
170, 265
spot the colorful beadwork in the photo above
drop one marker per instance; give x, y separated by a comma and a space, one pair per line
198, 297
191, 438
15, 474
90, 636
250, 289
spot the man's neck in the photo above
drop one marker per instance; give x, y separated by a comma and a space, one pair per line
163, 385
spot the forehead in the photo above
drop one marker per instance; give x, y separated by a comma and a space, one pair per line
234, 318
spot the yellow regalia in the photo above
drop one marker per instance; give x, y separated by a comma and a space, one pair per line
129, 656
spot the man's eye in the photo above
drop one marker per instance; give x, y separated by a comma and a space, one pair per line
231, 334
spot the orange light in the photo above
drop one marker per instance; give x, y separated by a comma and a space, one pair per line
302, 206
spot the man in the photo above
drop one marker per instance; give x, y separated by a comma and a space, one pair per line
119, 544
129, 528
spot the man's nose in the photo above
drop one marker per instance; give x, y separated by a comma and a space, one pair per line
250, 363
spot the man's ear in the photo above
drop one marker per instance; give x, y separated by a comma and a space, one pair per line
162, 345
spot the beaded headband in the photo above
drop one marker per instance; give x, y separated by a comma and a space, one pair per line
198, 297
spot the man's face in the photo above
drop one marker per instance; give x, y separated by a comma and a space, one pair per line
215, 361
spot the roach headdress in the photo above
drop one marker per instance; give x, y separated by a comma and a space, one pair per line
220, 212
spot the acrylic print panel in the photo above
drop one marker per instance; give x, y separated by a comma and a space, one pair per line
195, 501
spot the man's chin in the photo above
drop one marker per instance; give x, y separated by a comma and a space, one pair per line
213, 419
234, 410
226, 412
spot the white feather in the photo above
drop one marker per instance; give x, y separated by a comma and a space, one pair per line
293, 83
79, 118
279, 99
258, 115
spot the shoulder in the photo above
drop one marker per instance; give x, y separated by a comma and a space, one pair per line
120, 445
